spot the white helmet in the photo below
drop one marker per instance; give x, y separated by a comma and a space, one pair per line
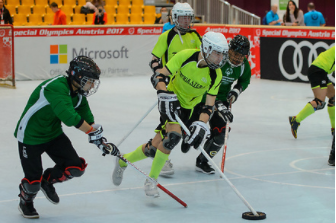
182, 9
212, 41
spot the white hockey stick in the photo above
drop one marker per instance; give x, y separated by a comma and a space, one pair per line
216, 167
136, 125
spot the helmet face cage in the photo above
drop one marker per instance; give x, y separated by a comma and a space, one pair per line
181, 10
85, 72
213, 50
239, 48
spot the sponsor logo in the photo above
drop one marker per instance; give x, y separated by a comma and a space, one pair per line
2, 33
229, 71
58, 54
142, 31
101, 54
131, 31
24, 152
298, 57
258, 32
204, 80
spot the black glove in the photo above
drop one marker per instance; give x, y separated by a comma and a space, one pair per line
233, 94
198, 132
168, 104
97, 138
224, 111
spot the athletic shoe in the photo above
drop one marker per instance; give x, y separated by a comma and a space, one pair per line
294, 125
167, 169
49, 191
118, 173
151, 189
204, 167
27, 209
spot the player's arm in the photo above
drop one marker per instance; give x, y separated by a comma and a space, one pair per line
242, 83
208, 108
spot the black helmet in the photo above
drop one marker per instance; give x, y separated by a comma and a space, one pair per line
240, 44
83, 70
239, 48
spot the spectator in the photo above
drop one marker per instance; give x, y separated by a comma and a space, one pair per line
272, 17
160, 20
100, 18
97, 3
313, 17
169, 25
5, 17
89, 8
293, 15
59, 17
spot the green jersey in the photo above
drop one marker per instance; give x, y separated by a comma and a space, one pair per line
326, 60
51, 103
189, 82
241, 74
170, 43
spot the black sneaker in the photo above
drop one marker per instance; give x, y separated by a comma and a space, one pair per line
27, 209
331, 161
49, 191
204, 167
294, 125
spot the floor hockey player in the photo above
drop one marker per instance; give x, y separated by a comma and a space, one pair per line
61, 99
322, 87
179, 38
236, 69
195, 73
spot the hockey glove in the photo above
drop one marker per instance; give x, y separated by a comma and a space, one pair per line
224, 111
97, 138
198, 132
168, 104
233, 95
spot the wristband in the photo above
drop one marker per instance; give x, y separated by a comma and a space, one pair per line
89, 130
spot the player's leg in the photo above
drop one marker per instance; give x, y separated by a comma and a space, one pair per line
213, 144
331, 105
68, 165
30, 157
331, 160
318, 80
164, 148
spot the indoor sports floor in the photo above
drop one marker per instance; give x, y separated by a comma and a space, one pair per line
286, 178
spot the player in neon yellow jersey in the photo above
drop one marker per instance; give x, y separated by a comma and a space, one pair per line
322, 87
179, 38
193, 72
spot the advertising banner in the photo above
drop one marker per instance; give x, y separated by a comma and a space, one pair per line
288, 59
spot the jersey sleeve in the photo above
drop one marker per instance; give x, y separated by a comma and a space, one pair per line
175, 63
84, 111
61, 104
215, 86
198, 39
160, 46
245, 78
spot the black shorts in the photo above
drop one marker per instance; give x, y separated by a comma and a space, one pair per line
317, 77
60, 150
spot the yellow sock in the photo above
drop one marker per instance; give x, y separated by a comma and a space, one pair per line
331, 111
305, 112
158, 163
133, 157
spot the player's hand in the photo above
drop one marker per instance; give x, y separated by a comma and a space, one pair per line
96, 137
198, 132
168, 104
233, 95
109, 148
224, 111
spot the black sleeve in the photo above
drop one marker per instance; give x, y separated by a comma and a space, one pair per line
7, 17
157, 20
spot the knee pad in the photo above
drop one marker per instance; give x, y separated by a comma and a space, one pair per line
320, 104
331, 102
173, 138
75, 171
150, 150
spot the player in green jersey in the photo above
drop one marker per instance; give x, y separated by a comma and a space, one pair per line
61, 99
322, 87
193, 73
237, 69
179, 38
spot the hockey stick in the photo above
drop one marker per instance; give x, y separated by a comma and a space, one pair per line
136, 125
225, 140
216, 167
154, 181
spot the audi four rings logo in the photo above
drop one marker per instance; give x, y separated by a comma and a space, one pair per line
298, 57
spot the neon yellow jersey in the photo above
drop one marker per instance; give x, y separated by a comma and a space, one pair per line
190, 82
169, 44
326, 60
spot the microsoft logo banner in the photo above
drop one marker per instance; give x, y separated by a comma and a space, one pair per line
58, 54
